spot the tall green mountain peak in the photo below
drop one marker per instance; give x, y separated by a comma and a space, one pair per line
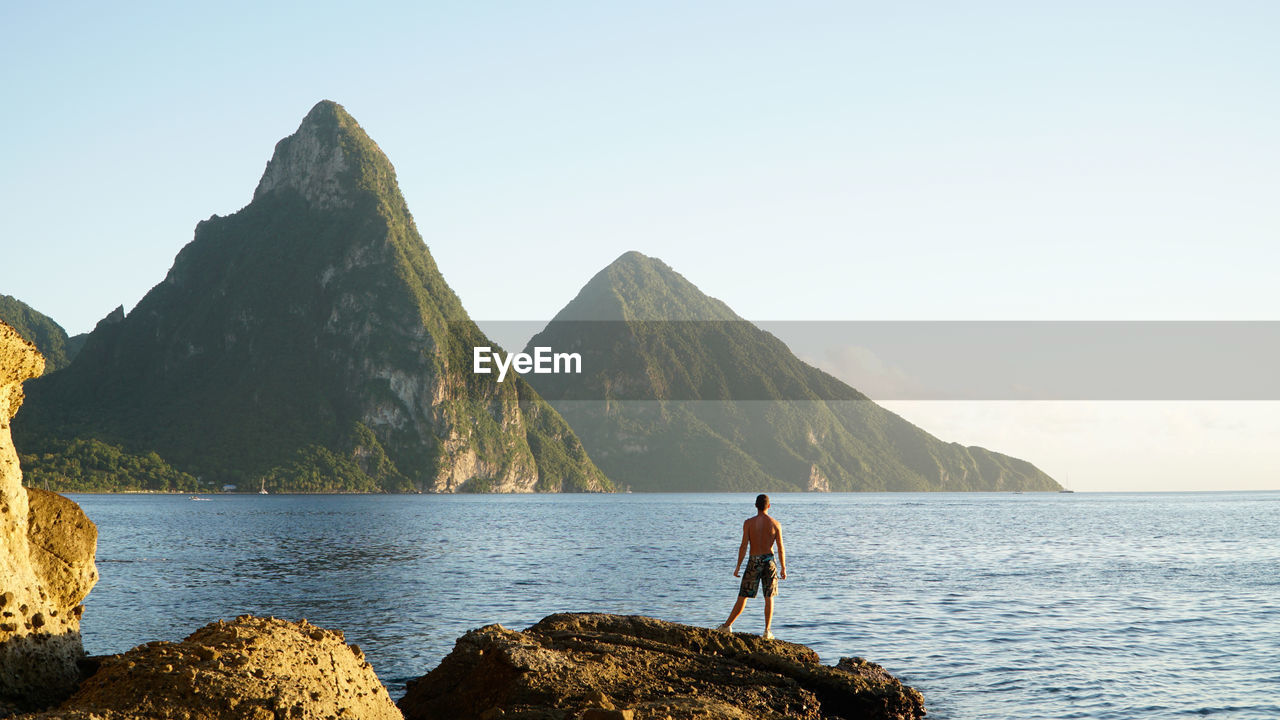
309, 342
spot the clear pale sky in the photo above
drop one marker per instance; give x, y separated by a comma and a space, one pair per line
800, 161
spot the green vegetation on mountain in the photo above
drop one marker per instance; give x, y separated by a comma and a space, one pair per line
679, 393
50, 339
309, 341
82, 465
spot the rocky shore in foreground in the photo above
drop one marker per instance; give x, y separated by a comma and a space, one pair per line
566, 667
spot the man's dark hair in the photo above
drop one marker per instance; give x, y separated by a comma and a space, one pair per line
761, 501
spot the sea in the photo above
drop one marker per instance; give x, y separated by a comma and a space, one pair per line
993, 605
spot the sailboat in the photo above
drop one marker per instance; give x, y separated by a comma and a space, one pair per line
263, 490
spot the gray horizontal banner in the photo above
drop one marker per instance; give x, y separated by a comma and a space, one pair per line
909, 360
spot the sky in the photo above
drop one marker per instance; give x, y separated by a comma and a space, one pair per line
800, 161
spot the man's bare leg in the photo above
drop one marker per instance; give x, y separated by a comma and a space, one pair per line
733, 615
768, 618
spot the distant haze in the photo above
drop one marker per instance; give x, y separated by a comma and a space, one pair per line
801, 161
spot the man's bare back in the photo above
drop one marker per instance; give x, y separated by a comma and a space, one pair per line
762, 531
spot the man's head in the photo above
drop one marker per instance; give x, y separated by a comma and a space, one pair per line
762, 502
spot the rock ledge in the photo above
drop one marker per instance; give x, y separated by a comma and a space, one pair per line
583, 666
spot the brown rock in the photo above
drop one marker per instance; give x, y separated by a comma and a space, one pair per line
250, 669
564, 666
46, 560
62, 541
19, 361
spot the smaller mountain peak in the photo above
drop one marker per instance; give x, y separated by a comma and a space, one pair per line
632, 264
633, 260
637, 287
113, 318
633, 256
319, 158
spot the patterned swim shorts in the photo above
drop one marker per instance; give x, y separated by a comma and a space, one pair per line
760, 569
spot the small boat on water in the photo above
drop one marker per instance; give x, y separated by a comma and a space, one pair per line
263, 489
198, 499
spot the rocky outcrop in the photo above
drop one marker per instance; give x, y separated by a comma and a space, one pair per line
249, 669
46, 560
310, 162
570, 667
817, 481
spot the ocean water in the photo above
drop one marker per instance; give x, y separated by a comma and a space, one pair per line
994, 606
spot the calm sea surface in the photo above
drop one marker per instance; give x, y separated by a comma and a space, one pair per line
993, 605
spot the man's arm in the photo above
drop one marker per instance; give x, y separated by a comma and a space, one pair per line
742, 551
782, 552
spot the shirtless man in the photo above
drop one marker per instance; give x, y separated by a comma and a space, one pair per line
760, 532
